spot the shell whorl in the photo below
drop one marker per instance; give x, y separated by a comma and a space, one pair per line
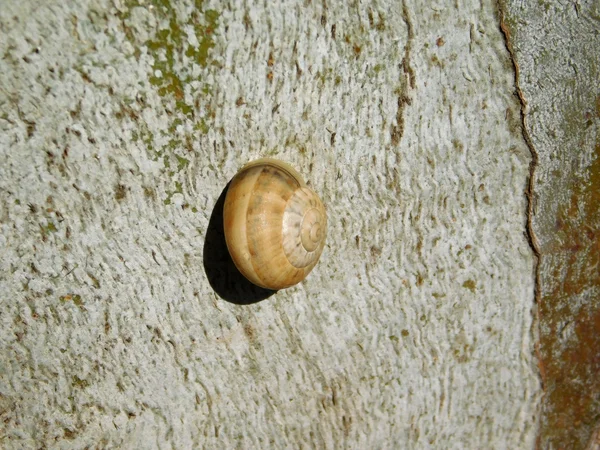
275, 226
304, 223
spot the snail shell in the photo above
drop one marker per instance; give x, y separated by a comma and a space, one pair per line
275, 226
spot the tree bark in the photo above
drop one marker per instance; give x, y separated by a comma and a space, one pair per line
554, 47
124, 326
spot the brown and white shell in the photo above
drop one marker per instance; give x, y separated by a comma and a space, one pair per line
275, 226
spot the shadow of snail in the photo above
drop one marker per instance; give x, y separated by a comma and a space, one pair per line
266, 232
225, 279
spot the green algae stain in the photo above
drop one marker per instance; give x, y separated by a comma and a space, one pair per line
75, 298
181, 41
470, 285
178, 190
50, 227
202, 126
378, 68
182, 162
171, 50
207, 42
76, 381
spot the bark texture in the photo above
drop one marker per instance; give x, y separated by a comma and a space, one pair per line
122, 122
555, 47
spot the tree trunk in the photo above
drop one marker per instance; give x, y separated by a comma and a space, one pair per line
125, 324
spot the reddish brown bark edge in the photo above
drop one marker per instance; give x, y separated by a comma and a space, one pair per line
567, 288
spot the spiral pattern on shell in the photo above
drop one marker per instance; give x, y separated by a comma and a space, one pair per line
275, 226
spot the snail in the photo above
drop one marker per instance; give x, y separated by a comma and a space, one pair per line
275, 226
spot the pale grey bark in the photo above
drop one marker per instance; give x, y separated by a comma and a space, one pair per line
414, 330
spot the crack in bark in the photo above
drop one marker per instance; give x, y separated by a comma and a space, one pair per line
403, 99
530, 193
410, 37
